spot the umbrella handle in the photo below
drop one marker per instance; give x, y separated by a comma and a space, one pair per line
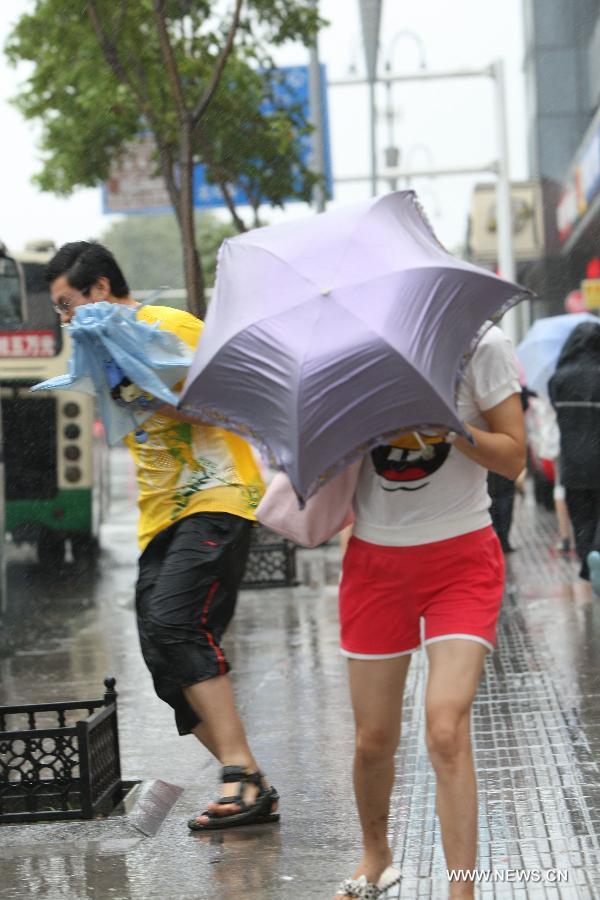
426, 449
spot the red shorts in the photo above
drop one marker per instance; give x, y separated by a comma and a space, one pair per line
455, 585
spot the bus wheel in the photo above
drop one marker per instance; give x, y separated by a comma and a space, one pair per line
85, 549
50, 549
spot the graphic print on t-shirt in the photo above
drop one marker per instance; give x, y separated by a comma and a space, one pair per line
400, 468
403, 499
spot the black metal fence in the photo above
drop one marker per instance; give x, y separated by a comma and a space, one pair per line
56, 765
271, 561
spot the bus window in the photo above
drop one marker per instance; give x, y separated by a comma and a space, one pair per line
11, 294
55, 467
29, 328
40, 312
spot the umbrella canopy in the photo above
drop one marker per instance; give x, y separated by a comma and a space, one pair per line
116, 356
326, 334
541, 347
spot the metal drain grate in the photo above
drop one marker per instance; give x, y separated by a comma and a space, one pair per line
271, 561
54, 764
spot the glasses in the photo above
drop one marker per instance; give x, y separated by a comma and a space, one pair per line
63, 305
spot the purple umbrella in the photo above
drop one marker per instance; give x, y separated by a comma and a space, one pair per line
328, 334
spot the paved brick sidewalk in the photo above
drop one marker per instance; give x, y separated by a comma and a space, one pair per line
536, 725
536, 731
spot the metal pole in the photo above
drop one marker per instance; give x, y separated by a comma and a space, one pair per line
421, 75
3, 588
370, 14
424, 173
316, 117
506, 263
503, 212
373, 113
390, 116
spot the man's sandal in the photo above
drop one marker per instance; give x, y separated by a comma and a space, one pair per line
366, 890
257, 813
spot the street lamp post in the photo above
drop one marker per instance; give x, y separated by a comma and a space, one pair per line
392, 153
373, 136
514, 326
370, 13
424, 150
516, 321
503, 213
315, 87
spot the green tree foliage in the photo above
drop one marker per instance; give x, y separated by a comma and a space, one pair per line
149, 248
189, 71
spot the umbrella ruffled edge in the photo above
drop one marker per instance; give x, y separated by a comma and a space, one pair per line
215, 418
421, 210
489, 323
524, 294
212, 417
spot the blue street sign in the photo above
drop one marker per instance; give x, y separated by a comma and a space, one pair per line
291, 88
133, 191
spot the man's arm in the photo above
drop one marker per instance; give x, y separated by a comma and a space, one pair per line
502, 449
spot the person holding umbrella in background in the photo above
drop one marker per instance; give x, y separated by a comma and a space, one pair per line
502, 492
575, 394
198, 489
539, 353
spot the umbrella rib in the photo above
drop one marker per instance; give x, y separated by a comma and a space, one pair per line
349, 238
287, 263
481, 331
298, 386
367, 212
305, 277
352, 234
427, 268
407, 361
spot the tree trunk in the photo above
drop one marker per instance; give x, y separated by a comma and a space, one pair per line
192, 267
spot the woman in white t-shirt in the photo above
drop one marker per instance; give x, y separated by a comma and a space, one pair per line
425, 566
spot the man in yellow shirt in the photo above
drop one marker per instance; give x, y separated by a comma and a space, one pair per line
198, 489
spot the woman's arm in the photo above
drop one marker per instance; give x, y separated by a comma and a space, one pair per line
344, 538
502, 449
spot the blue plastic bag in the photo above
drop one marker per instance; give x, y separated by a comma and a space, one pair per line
113, 351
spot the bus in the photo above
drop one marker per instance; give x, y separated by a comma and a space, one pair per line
55, 460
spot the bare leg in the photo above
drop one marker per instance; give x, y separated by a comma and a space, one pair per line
564, 522
376, 687
213, 701
454, 670
221, 731
202, 733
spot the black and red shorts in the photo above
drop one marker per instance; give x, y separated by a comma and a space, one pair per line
189, 576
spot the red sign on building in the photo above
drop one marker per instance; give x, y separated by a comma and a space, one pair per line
23, 344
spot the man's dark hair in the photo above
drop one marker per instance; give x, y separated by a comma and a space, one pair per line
83, 263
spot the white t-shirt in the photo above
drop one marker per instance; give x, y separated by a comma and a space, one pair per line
403, 499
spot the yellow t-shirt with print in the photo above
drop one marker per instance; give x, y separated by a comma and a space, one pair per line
185, 468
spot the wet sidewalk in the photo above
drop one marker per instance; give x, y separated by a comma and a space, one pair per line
536, 727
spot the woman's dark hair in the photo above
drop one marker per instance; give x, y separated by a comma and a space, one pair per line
83, 263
